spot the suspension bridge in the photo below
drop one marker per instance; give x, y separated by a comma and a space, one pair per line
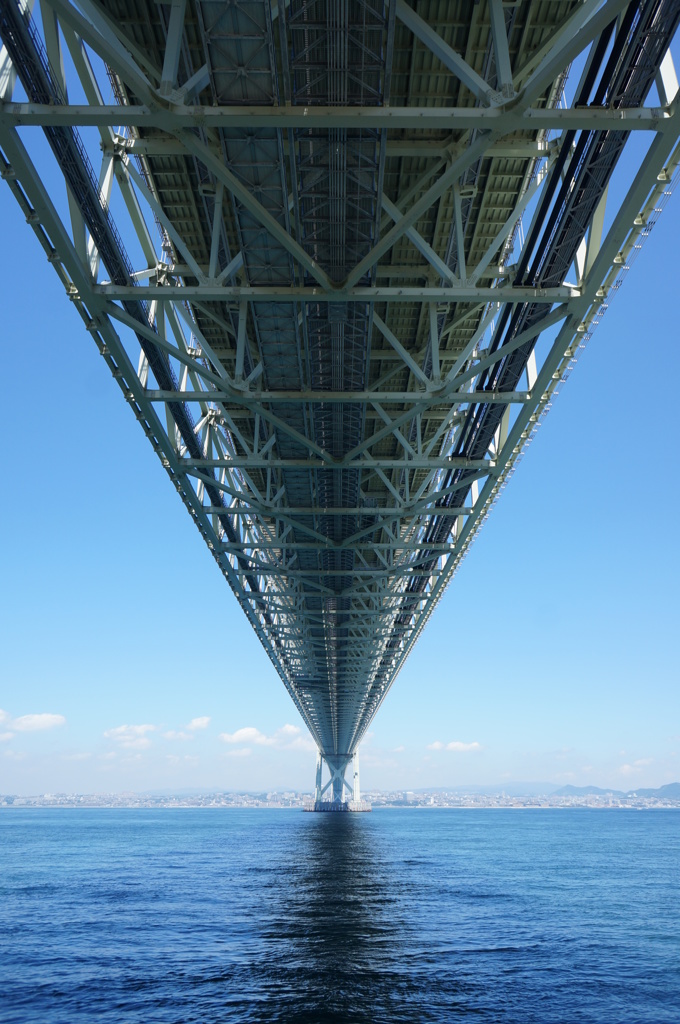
339, 258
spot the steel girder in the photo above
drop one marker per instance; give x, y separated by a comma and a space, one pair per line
369, 242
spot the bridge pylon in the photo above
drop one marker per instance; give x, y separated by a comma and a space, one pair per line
338, 794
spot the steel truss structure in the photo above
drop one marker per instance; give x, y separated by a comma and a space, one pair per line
365, 242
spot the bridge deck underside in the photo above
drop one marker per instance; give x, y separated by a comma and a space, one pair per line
356, 424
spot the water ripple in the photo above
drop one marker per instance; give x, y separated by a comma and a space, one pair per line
170, 917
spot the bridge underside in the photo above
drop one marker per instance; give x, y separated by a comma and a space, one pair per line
339, 259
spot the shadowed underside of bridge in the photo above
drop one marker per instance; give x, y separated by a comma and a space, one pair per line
338, 257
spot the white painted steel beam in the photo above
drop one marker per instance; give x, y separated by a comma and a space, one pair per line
444, 53
459, 119
208, 292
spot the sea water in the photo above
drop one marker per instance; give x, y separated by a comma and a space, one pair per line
159, 916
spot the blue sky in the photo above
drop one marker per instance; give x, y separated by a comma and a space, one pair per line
127, 665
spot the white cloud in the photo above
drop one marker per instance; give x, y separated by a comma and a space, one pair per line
455, 745
34, 723
301, 743
4, 736
176, 759
240, 752
399, 750
132, 737
199, 723
291, 737
288, 737
3, 715
76, 757
631, 769
248, 734
188, 732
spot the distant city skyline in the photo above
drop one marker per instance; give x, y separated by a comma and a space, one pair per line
127, 664
529, 796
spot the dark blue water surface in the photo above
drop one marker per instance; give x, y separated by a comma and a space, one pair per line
151, 916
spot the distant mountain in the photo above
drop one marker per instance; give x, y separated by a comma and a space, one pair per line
671, 791
509, 788
587, 791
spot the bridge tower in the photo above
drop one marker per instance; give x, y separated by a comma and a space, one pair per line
339, 794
